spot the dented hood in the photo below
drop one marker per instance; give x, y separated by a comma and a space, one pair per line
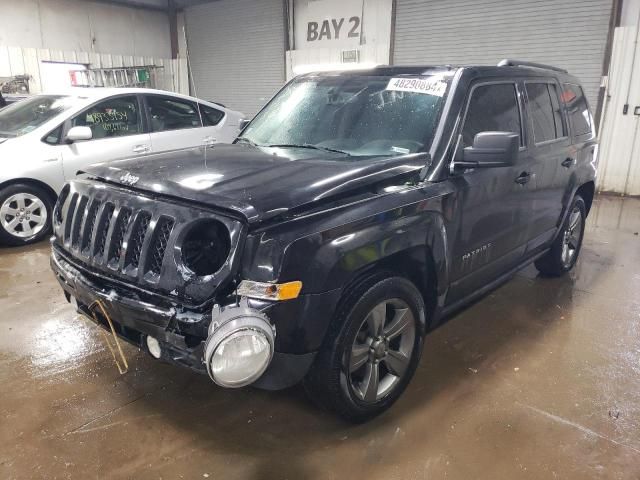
256, 182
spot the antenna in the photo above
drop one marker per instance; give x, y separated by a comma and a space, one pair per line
186, 49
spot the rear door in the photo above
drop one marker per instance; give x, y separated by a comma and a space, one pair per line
118, 132
218, 126
491, 236
548, 154
174, 123
582, 129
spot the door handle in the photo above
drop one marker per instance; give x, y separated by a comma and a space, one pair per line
141, 149
208, 140
567, 162
523, 178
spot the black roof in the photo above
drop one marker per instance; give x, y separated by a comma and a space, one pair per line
474, 71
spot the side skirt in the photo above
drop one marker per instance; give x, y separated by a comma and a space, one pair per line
448, 310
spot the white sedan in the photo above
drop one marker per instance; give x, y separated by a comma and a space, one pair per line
47, 138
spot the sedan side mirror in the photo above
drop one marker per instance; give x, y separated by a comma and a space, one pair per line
76, 134
491, 149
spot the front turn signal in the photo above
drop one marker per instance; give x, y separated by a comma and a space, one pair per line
270, 291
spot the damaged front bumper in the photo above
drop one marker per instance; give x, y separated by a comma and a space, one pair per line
135, 317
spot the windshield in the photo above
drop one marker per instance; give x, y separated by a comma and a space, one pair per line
27, 115
358, 115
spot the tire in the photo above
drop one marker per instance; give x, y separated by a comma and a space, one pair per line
558, 261
25, 214
349, 392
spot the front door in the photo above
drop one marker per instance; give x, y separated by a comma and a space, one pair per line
117, 132
491, 235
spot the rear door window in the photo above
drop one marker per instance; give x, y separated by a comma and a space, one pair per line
547, 123
492, 107
168, 113
577, 108
210, 116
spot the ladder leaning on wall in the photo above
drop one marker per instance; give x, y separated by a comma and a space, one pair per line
140, 76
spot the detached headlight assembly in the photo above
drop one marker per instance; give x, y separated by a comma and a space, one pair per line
239, 347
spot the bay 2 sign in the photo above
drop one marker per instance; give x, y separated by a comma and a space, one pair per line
334, 29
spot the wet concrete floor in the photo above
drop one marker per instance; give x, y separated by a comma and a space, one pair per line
540, 379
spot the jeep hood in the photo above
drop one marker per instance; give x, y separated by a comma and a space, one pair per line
256, 182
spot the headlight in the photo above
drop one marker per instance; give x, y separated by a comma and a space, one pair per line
239, 347
240, 358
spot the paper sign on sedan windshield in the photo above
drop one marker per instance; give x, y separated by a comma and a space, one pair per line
428, 86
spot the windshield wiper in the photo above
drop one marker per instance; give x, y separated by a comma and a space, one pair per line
308, 145
250, 142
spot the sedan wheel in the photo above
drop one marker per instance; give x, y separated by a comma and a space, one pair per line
23, 215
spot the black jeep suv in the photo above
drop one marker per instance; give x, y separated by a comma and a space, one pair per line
355, 212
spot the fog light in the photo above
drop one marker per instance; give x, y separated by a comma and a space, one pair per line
154, 347
239, 347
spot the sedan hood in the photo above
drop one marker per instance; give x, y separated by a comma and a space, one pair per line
259, 183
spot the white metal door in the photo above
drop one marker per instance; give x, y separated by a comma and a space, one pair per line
79, 155
175, 124
619, 169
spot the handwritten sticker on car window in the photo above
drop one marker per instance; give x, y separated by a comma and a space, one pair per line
428, 86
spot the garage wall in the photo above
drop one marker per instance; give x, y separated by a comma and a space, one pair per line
172, 76
567, 33
84, 26
236, 51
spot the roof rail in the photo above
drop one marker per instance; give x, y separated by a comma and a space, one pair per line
509, 62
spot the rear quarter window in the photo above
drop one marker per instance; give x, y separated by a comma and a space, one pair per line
577, 109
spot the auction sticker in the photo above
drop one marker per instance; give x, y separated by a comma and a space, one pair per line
428, 86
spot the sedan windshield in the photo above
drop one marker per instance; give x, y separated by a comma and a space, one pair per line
27, 115
354, 115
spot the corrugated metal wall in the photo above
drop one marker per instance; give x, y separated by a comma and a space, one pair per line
568, 33
236, 51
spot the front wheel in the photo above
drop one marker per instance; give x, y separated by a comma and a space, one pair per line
565, 249
372, 351
25, 214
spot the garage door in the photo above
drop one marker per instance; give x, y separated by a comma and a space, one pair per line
569, 34
236, 50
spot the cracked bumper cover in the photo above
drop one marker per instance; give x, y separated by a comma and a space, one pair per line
134, 319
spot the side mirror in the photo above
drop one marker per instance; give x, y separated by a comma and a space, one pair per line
491, 149
243, 124
76, 134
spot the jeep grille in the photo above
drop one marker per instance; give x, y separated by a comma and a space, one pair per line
130, 237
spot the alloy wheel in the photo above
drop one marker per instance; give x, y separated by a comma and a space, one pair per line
382, 350
23, 215
571, 237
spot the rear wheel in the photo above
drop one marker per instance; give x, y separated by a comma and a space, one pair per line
564, 252
373, 350
25, 214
